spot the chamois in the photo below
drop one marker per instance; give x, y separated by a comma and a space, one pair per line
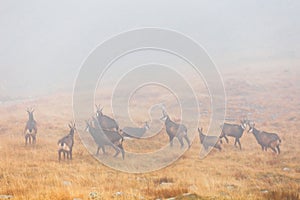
105, 137
265, 139
233, 130
134, 132
65, 144
30, 130
106, 122
209, 141
175, 130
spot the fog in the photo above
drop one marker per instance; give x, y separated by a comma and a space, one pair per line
43, 44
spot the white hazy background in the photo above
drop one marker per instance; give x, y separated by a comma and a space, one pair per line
43, 43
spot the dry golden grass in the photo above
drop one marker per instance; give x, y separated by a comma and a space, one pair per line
35, 173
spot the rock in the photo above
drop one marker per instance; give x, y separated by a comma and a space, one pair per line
193, 188
4, 196
141, 179
224, 194
67, 183
286, 169
119, 193
165, 184
274, 116
185, 196
230, 187
171, 198
264, 191
292, 119
93, 195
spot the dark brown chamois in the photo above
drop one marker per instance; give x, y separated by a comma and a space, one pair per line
175, 130
233, 130
65, 144
135, 132
106, 122
105, 138
209, 141
265, 139
30, 130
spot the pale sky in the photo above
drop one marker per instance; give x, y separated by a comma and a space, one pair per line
43, 43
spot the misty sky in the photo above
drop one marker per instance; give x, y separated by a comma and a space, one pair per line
43, 43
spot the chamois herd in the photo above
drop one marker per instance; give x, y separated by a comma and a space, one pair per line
105, 131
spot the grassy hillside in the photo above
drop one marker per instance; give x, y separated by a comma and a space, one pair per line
269, 97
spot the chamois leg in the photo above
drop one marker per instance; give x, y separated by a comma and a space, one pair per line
221, 140
33, 139
171, 140
223, 136
26, 139
275, 145
238, 141
103, 150
59, 155
117, 152
34, 135
29, 139
278, 149
235, 141
217, 146
181, 142
273, 149
70, 154
97, 153
116, 149
122, 150
227, 141
205, 147
187, 140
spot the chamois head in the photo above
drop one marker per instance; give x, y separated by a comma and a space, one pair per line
201, 135
72, 128
88, 125
99, 110
244, 123
30, 113
146, 125
165, 115
251, 127
200, 131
